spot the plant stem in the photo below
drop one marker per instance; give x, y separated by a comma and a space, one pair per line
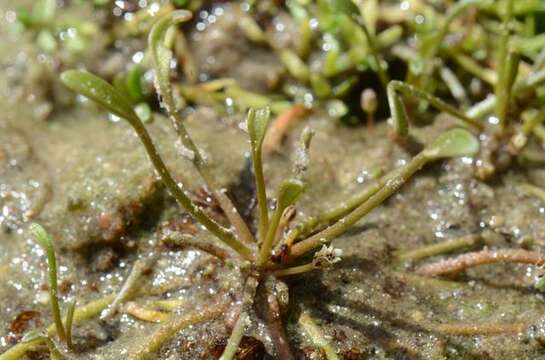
261, 191
391, 186
398, 86
80, 314
440, 248
479, 329
68, 322
267, 244
126, 290
295, 270
472, 259
47, 244
243, 319
85, 312
502, 89
172, 327
200, 164
220, 232
164, 90
315, 222
234, 340
19, 350
315, 334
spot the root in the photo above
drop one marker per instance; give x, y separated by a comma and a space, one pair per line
473, 259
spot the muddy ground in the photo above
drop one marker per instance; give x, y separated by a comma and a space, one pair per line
88, 181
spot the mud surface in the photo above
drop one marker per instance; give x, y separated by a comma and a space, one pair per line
85, 177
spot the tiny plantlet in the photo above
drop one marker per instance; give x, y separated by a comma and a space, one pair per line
255, 250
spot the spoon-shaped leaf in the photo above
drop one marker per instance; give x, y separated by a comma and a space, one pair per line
453, 143
257, 122
161, 55
397, 111
288, 192
98, 90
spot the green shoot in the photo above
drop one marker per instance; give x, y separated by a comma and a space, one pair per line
36, 336
161, 58
68, 322
506, 64
257, 123
47, 244
288, 193
399, 114
455, 142
243, 320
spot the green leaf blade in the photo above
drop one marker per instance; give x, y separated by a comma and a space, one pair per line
289, 192
258, 121
453, 143
100, 91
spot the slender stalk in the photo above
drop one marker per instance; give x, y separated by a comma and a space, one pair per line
441, 248
18, 351
170, 328
80, 314
473, 259
234, 340
164, 90
479, 329
46, 242
267, 244
212, 226
85, 312
243, 319
317, 222
397, 86
316, 336
127, 289
532, 82
503, 89
257, 160
184, 240
391, 186
295, 270
68, 322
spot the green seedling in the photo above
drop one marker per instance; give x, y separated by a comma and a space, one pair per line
63, 329
254, 254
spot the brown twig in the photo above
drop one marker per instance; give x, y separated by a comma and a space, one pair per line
472, 259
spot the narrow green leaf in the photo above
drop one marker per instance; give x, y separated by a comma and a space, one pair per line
288, 192
161, 55
257, 122
98, 90
397, 111
453, 143
45, 241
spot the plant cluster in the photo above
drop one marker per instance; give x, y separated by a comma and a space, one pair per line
260, 266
